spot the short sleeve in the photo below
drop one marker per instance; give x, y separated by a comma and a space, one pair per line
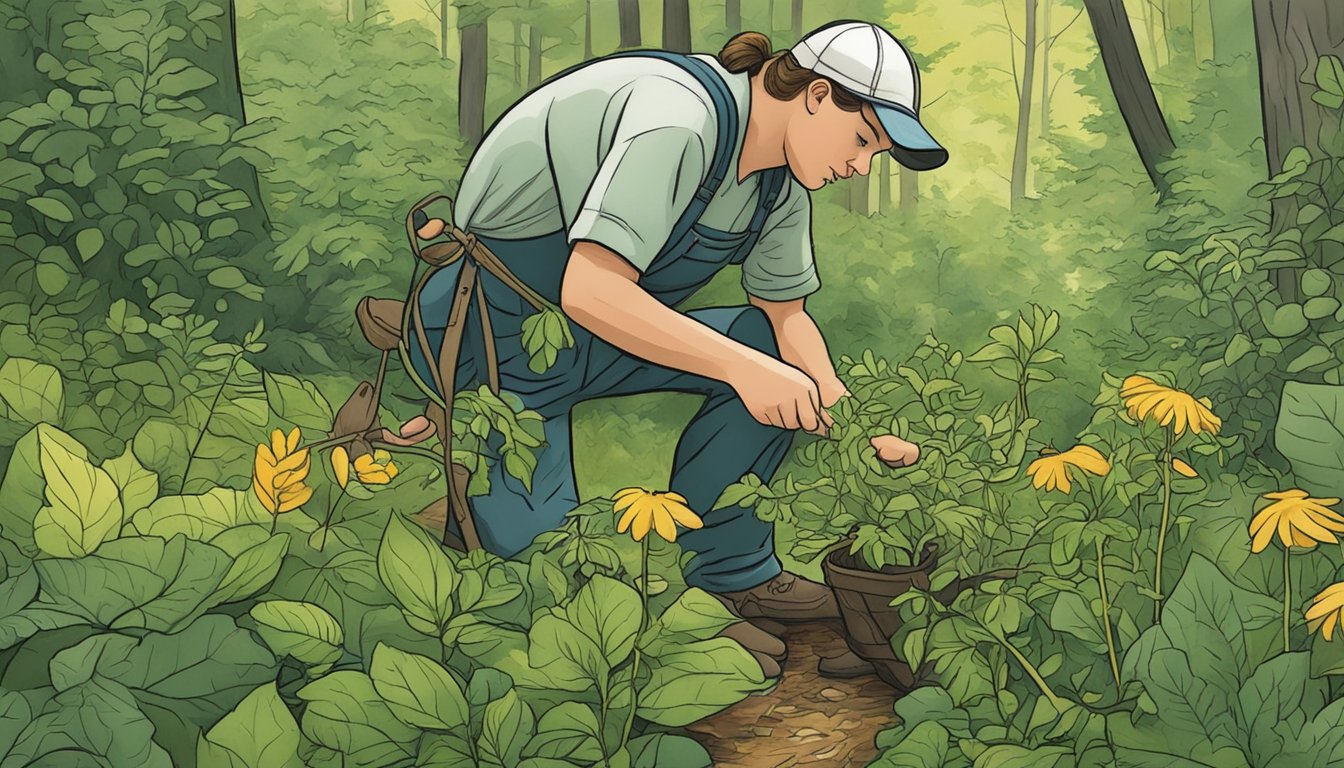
656, 162
781, 266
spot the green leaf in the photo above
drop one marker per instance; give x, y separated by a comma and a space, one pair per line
1312, 357
570, 658
295, 401
32, 390
51, 208
1236, 349
668, 750
94, 724
301, 630
143, 582
89, 242
924, 745
568, 730
137, 487
83, 507
418, 574
254, 567
200, 516
508, 726
1330, 75
259, 733
23, 489
419, 691
346, 714
696, 615
1071, 614
1311, 417
184, 681
697, 679
608, 612
1276, 701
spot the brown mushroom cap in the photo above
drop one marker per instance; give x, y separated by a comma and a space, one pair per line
895, 451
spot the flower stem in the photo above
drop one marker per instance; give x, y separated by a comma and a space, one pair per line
643, 624
1031, 671
209, 415
1162, 529
1106, 616
1287, 598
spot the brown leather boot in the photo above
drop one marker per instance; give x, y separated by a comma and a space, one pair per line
786, 597
755, 639
845, 666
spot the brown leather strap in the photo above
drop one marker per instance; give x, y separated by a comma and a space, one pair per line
491, 263
488, 338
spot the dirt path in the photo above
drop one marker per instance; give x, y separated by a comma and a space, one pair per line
806, 719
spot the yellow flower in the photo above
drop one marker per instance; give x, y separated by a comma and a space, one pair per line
1299, 519
1183, 468
279, 472
340, 464
1144, 397
377, 469
1325, 610
660, 510
1052, 470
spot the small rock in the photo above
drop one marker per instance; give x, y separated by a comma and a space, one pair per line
806, 734
784, 709
832, 694
828, 752
761, 730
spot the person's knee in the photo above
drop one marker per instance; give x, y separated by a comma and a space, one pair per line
752, 327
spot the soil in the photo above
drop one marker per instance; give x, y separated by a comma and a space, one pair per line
806, 719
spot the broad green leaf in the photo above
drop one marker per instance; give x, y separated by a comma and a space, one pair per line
508, 726
295, 401
32, 390
89, 242
697, 615
302, 630
143, 582
568, 655
259, 733
51, 208
418, 574
23, 489
418, 690
1275, 703
668, 750
137, 487
923, 745
1071, 614
568, 730
94, 724
698, 679
346, 714
201, 516
1311, 417
608, 612
83, 507
254, 568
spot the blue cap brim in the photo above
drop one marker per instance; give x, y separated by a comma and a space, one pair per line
914, 147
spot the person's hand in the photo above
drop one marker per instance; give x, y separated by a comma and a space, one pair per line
780, 395
832, 391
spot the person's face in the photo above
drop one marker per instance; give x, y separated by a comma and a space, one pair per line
824, 142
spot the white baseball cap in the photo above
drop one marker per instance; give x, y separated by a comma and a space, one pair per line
870, 63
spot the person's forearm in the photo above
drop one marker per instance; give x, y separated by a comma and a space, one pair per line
802, 346
620, 312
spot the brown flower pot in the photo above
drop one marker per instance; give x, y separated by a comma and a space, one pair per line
864, 597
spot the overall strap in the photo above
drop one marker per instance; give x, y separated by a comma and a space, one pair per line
772, 186
725, 107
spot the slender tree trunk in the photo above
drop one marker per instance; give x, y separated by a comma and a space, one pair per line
1149, 21
1166, 29
587, 30
471, 82
1045, 72
443, 29
226, 95
884, 186
1180, 29
860, 194
1132, 89
628, 11
909, 192
771, 31
533, 56
1291, 37
796, 21
732, 16
1018, 183
358, 11
1201, 28
677, 25
517, 52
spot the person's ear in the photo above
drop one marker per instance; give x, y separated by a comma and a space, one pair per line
817, 92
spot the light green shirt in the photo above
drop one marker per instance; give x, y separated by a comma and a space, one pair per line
613, 153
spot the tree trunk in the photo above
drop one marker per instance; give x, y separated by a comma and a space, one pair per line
517, 52
1201, 27
860, 194
1018, 183
533, 56
796, 21
443, 29
732, 16
909, 192
628, 10
884, 186
1045, 72
226, 95
677, 25
1132, 89
359, 9
1291, 37
1166, 30
587, 30
471, 82
1149, 15
1179, 26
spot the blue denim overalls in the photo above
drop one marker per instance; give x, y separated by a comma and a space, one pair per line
734, 550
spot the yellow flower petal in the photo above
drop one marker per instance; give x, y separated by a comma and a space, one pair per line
293, 442
674, 496
278, 449
663, 524
684, 516
264, 495
293, 499
1183, 468
340, 465
643, 519
1294, 493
